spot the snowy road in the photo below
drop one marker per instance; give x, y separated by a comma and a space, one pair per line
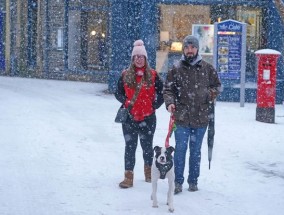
62, 154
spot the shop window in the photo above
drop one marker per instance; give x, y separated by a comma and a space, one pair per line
252, 17
87, 38
96, 40
176, 22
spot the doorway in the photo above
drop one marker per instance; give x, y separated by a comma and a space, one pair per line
88, 36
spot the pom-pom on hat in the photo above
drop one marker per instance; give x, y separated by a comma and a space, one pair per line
190, 40
139, 49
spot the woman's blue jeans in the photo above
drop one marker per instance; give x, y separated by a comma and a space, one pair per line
185, 135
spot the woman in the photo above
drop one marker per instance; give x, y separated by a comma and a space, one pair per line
142, 120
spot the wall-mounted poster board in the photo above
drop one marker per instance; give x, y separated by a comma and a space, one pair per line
205, 35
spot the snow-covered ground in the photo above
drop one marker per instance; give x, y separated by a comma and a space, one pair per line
62, 154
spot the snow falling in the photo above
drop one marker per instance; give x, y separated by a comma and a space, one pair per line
61, 152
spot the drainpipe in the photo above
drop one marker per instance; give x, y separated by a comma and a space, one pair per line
39, 42
8, 39
65, 34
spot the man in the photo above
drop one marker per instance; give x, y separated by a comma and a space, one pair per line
189, 88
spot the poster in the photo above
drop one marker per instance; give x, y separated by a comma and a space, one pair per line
205, 35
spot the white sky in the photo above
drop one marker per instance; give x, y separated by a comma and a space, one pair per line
62, 154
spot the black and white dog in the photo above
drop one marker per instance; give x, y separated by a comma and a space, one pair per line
162, 168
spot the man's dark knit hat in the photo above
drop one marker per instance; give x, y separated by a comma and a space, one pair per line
190, 40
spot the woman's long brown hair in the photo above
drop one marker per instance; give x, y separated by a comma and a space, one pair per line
130, 75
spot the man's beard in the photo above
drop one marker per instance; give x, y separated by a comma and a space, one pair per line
190, 58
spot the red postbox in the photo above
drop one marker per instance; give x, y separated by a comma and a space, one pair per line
266, 84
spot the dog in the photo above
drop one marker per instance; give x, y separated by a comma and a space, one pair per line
162, 168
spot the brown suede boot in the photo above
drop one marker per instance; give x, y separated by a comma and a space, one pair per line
147, 172
128, 180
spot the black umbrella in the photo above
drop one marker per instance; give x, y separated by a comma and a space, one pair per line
211, 131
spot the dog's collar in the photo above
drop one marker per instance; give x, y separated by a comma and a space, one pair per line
164, 168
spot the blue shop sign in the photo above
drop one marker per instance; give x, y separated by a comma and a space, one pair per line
229, 40
230, 26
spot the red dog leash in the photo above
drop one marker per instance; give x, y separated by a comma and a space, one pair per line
170, 131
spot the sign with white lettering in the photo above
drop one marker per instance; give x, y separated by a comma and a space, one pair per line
230, 48
230, 53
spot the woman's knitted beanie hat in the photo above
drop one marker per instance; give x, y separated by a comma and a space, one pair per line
139, 49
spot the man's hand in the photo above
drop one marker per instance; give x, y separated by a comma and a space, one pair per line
171, 108
213, 94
